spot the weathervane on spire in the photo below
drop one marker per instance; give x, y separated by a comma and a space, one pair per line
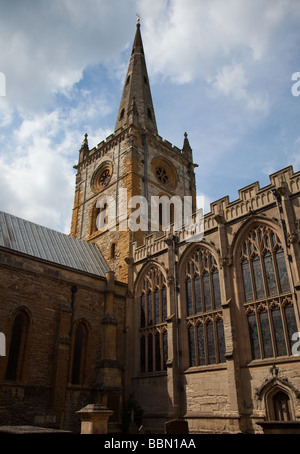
138, 18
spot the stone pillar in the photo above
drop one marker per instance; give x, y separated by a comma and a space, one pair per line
173, 364
108, 369
226, 294
94, 419
62, 357
291, 238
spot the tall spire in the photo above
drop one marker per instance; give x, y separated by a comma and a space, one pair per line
137, 90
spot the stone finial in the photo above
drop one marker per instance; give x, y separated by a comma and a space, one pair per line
85, 145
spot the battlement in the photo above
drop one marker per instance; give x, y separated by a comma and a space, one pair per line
252, 198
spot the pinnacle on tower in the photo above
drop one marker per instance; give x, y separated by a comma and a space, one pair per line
84, 150
137, 91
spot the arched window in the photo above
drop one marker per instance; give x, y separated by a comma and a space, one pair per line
267, 300
79, 350
153, 322
17, 347
113, 250
203, 310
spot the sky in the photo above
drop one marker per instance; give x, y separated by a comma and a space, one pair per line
220, 70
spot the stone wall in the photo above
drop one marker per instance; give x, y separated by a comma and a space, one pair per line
43, 393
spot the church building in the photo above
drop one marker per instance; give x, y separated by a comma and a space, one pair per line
200, 328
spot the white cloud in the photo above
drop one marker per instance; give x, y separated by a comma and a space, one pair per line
48, 44
231, 81
38, 180
234, 50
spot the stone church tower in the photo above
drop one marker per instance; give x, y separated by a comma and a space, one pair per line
133, 161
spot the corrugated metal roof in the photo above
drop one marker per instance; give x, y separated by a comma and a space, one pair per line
44, 243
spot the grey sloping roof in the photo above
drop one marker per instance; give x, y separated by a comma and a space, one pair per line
47, 244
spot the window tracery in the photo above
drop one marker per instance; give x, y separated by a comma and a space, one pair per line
203, 309
153, 322
268, 301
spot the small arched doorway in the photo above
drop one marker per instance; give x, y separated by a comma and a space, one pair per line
279, 405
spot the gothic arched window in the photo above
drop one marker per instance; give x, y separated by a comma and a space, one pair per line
268, 301
203, 310
153, 322
79, 351
17, 347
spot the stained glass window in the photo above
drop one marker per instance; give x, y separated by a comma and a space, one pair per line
258, 279
270, 274
247, 281
201, 344
216, 288
198, 299
16, 348
221, 340
203, 305
271, 320
266, 334
207, 292
143, 310
278, 332
211, 343
78, 354
254, 341
157, 352
164, 303
189, 301
282, 271
153, 322
192, 348
157, 306
290, 322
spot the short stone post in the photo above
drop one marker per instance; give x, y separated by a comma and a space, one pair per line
94, 419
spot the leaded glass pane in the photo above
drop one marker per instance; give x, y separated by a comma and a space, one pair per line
142, 354
192, 350
165, 349
198, 300
253, 333
221, 340
150, 308
189, 301
216, 287
270, 274
258, 279
201, 344
157, 307
207, 292
164, 304
278, 331
247, 281
211, 343
143, 310
290, 321
282, 271
150, 353
266, 334
157, 352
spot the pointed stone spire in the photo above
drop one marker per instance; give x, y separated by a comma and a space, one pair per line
137, 87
